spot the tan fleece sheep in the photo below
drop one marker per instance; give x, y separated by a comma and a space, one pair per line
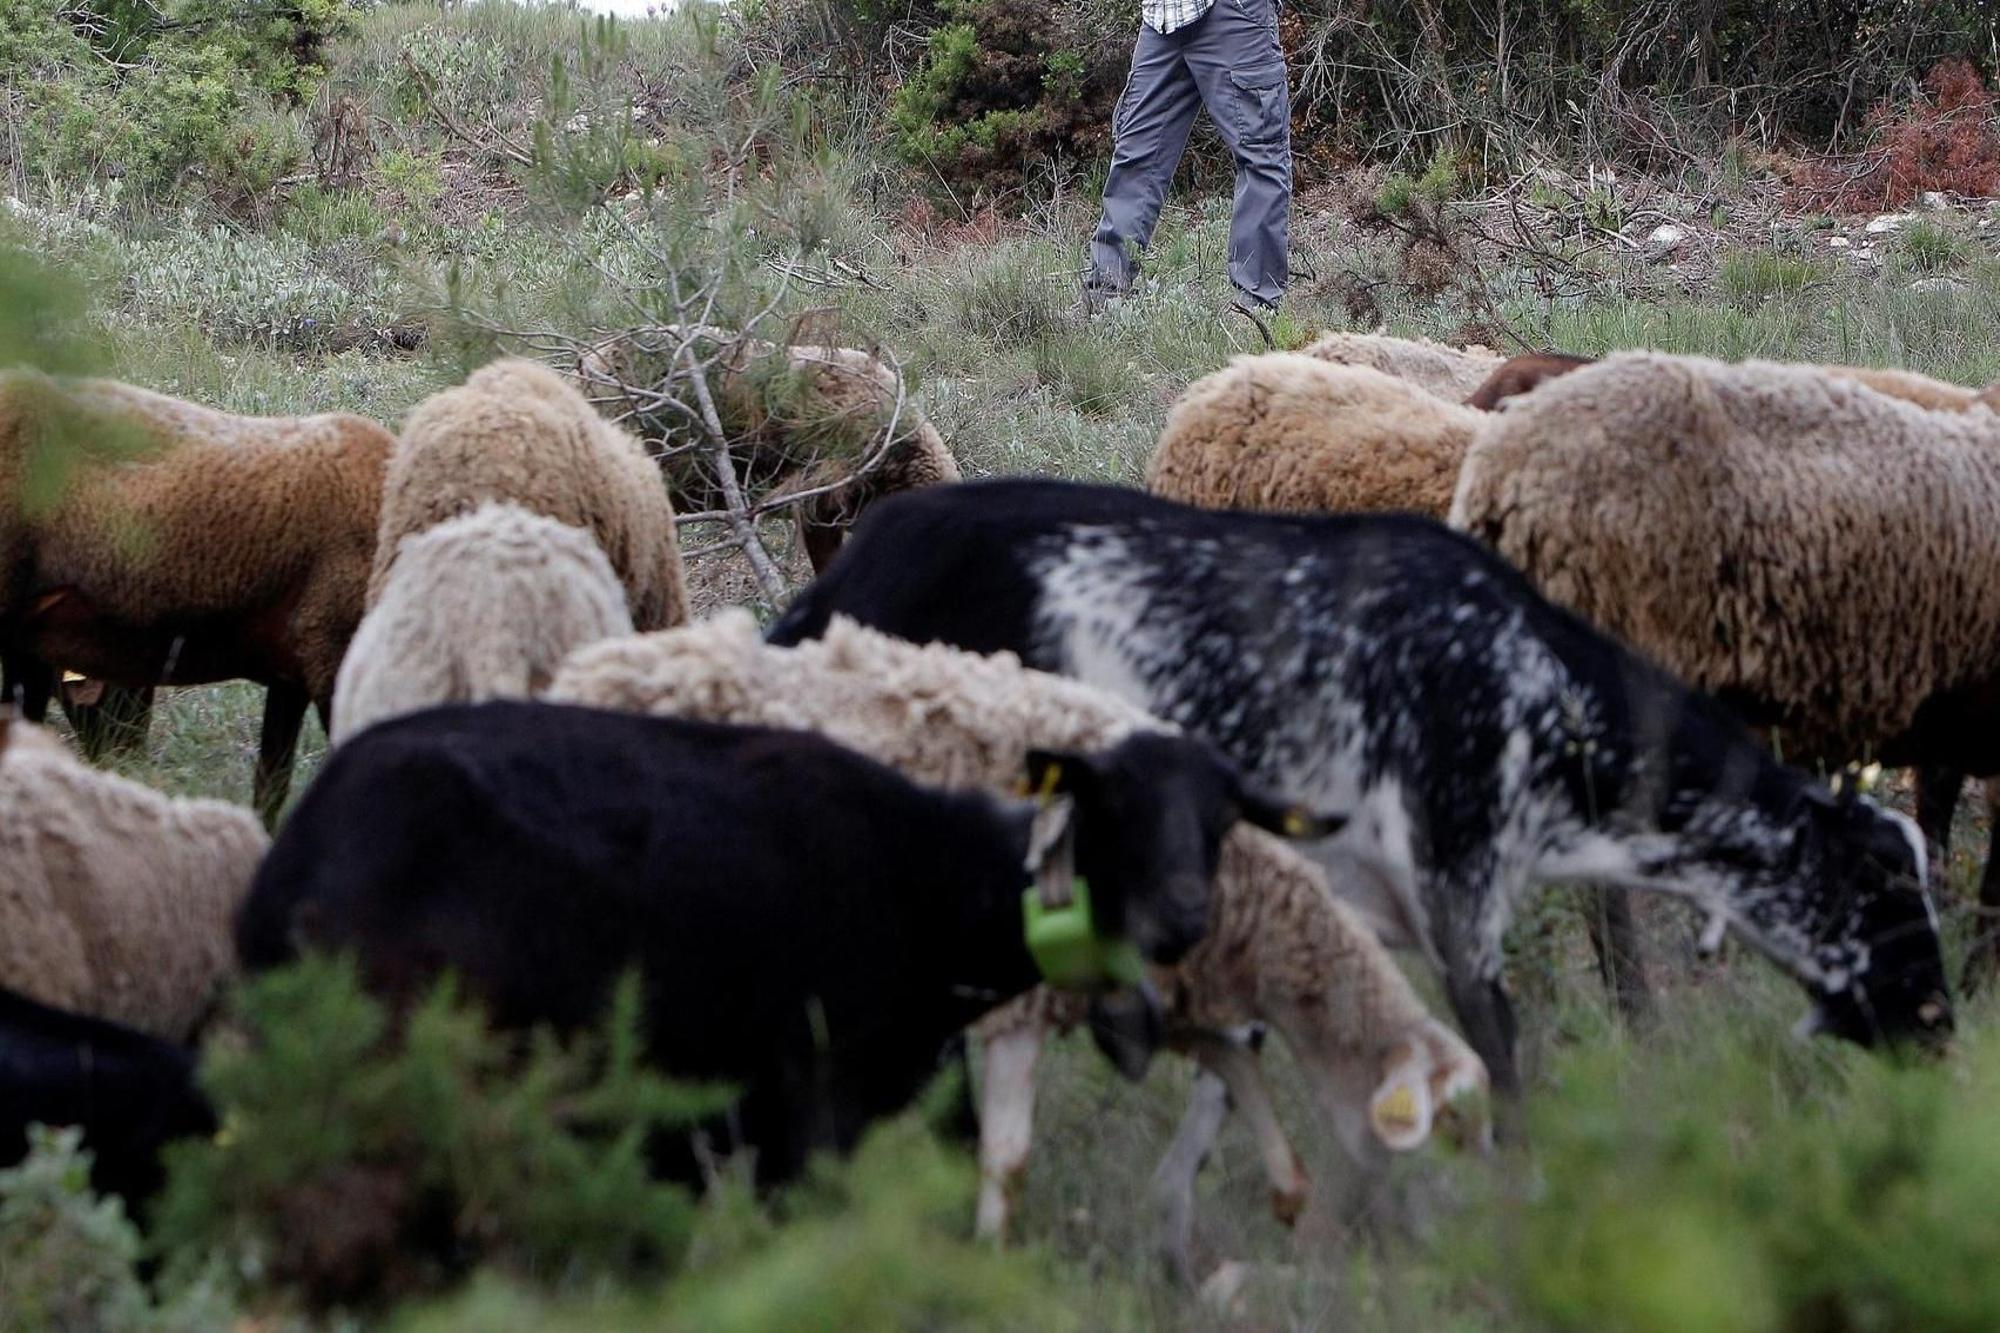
227, 547
516, 432
115, 900
1279, 948
1819, 554
1449, 372
484, 606
853, 396
1289, 433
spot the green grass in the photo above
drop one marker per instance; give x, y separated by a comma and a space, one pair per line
986, 318
1756, 274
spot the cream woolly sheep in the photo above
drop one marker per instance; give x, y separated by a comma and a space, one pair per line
1287, 432
229, 547
1449, 372
1778, 596
115, 901
484, 606
1818, 554
516, 432
1278, 949
853, 393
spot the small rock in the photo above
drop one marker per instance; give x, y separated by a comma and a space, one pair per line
1889, 222
1838, 242
1934, 200
1666, 240
1939, 286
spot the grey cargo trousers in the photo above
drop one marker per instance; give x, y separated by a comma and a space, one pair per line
1229, 61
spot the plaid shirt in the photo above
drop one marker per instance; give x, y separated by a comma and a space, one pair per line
1164, 16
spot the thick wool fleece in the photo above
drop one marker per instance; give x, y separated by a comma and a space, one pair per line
1289, 433
115, 900
1279, 946
1448, 372
1781, 534
1922, 390
259, 530
517, 433
480, 607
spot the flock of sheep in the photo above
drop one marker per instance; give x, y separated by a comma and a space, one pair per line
1265, 747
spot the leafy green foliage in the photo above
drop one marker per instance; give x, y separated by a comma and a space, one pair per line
874, 1243
359, 1159
1004, 90
69, 1260
162, 93
46, 332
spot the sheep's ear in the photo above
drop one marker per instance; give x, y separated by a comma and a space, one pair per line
1401, 1111
1288, 821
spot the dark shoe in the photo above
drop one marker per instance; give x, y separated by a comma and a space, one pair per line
1096, 300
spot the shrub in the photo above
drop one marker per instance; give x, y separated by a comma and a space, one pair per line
69, 1260
358, 1160
875, 1243
1004, 90
1944, 139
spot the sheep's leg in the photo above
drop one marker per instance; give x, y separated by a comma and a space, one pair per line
1486, 1017
1236, 1064
1607, 911
1173, 1179
29, 685
1984, 959
1938, 787
284, 715
1006, 1121
821, 530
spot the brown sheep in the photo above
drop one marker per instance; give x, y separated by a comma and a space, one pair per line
852, 395
1287, 432
1816, 552
228, 547
517, 433
1449, 372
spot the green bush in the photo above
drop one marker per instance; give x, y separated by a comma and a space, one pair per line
69, 1260
1003, 91
1736, 1181
358, 1161
876, 1243
160, 93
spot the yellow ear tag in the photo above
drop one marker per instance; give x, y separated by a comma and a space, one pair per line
1397, 1110
1295, 824
1051, 778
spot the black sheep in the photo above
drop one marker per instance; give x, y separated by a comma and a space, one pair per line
808, 925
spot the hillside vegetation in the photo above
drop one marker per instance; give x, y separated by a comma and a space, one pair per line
321, 204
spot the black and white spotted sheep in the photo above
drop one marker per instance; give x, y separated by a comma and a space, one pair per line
1483, 740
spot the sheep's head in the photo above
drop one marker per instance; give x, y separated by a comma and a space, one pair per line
1149, 816
1519, 374
1860, 895
1432, 1079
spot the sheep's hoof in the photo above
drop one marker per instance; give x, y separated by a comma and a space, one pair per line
1223, 1291
1286, 1205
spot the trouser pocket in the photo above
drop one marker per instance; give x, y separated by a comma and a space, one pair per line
1261, 105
